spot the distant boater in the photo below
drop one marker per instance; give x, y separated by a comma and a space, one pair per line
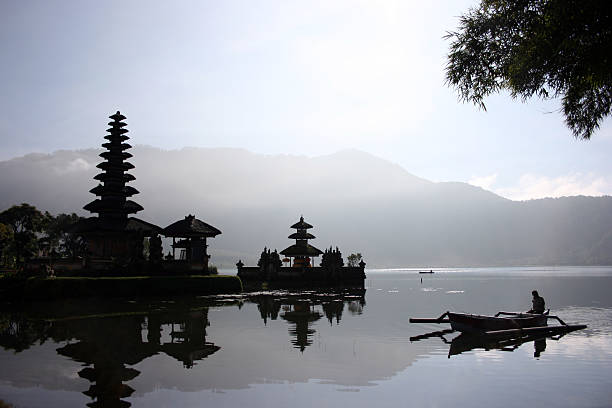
538, 304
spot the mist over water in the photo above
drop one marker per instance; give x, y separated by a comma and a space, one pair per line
315, 349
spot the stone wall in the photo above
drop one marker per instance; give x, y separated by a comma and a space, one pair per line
312, 274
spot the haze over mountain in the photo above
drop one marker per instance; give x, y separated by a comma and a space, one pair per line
355, 201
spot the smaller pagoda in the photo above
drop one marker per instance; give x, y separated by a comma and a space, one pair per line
302, 272
301, 251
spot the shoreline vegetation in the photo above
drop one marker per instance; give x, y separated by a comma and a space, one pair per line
40, 259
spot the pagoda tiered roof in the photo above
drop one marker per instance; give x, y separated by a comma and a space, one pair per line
115, 176
301, 235
111, 166
301, 248
112, 204
131, 224
301, 224
115, 155
124, 146
127, 191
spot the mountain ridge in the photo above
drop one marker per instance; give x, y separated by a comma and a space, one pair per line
355, 200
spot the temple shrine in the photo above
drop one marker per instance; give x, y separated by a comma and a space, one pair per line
192, 234
301, 252
302, 271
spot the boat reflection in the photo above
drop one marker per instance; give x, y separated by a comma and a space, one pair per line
466, 342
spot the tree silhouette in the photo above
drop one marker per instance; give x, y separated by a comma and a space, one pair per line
25, 221
543, 48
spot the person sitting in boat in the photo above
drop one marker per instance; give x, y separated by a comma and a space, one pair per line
537, 303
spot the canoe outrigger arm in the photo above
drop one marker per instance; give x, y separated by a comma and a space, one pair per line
440, 319
529, 314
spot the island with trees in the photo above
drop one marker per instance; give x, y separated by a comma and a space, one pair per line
300, 270
110, 254
113, 253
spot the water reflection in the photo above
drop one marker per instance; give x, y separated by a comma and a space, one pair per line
110, 339
107, 345
303, 349
301, 315
301, 310
466, 342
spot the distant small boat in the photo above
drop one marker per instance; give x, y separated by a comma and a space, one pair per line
426, 271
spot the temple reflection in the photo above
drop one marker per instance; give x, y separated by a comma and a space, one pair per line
109, 345
301, 315
110, 338
333, 311
302, 310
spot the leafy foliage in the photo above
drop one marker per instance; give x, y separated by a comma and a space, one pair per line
24, 231
353, 259
6, 238
543, 48
58, 237
24, 221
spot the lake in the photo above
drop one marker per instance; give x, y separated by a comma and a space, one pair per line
291, 349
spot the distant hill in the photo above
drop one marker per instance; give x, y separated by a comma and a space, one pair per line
356, 201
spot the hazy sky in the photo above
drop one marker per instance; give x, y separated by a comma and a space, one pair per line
297, 77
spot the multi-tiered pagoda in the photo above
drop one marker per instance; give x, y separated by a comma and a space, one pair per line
113, 234
301, 251
113, 206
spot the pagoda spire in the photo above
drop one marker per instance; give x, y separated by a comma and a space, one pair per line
113, 205
301, 251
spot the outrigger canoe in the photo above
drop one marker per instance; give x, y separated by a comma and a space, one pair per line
502, 324
469, 323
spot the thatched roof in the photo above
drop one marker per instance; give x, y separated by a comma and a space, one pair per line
117, 117
301, 250
190, 227
102, 206
301, 224
132, 224
301, 235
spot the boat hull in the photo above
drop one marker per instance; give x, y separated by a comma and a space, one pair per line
469, 323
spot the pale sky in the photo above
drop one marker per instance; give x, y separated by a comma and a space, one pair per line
282, 77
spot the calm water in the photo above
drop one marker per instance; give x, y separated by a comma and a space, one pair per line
309, 349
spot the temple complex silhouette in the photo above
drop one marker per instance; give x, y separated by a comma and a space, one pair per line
301, 270
116, 240
119, 243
